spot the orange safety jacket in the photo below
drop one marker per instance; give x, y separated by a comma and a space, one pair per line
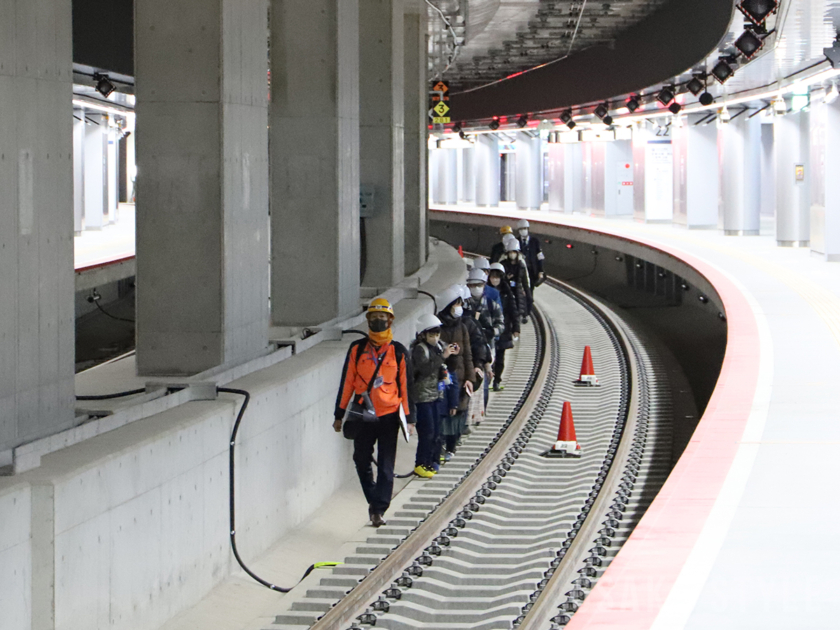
359, 366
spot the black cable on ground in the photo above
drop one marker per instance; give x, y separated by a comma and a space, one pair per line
232, 480
132, 392
107, 314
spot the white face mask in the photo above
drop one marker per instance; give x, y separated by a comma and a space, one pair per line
523, 232
477, 291
457, 311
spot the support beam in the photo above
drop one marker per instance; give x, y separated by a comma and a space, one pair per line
382, 142
36, 223
416, 136
528, 171
791, 157
314, 160
739, 148
487, 171
202, 158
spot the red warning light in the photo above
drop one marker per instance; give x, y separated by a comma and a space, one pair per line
569, 246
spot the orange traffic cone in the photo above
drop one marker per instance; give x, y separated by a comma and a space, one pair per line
566, 444
461, 251
587, 371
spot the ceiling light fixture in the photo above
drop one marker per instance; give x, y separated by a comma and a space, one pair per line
494, 124
666, 95
723, 70
566, 118
603, 112
696, 84
756, 11
104, 85
632, 104
748, 44
522, 121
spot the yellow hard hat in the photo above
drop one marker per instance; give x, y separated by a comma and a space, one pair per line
506, 229
380, 305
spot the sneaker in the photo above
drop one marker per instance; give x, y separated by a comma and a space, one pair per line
435, 467
422, 471
497, 387
448, 456
443, 459
431, 469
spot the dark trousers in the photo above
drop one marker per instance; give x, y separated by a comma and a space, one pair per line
384, 432
499, 365
428, 434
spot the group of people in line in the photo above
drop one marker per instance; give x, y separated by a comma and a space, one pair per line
445, 373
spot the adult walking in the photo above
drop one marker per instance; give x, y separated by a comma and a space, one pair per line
375, 383
533, 257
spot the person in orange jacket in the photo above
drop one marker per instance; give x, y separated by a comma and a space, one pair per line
390, 391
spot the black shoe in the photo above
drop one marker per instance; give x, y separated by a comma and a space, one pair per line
376, 520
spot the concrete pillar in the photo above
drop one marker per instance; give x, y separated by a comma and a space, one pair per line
382, 144
468, 175
618, 179
487, 171
36, 228
573, 177
314, 160
768, 172
555, 176
825, 185
95, 171
529, 193
695, 174
416, 136
791, 143
653, 176
739, 148
112, 174
445, 189
78, 170
202, 190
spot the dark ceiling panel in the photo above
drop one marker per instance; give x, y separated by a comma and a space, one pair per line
103, 34
666, 44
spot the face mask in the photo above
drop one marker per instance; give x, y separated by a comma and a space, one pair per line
495, 280
523, 232
457, 311
477, 291
378, 325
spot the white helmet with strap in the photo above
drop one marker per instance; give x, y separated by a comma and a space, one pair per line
507, 238
522, 224
512, 246
497, 267
476, 276
448, 297
481, 263
427, 322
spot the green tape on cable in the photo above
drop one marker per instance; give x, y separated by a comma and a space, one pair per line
321, 565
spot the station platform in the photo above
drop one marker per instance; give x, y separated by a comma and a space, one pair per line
114, 242
733, 540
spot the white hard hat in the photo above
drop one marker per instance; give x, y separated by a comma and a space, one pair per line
481, 263
512, 246
497, 267
465, 292
477, 275
448, 297
522, 224
508, 237
426, 322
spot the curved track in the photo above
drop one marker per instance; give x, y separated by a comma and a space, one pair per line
504, 537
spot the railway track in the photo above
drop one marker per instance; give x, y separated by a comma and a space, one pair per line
503, 537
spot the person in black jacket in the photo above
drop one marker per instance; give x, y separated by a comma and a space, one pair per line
498, 280
533, 257
499, 248
517, 277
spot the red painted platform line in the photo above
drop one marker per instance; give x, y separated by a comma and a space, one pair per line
635, 586
104, 263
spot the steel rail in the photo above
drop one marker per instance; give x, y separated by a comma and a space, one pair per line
369, 589
545, 606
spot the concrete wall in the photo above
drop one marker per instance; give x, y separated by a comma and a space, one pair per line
36, 221
127, 529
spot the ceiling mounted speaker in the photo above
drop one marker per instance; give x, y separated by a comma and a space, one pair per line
675, 108
706, 99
